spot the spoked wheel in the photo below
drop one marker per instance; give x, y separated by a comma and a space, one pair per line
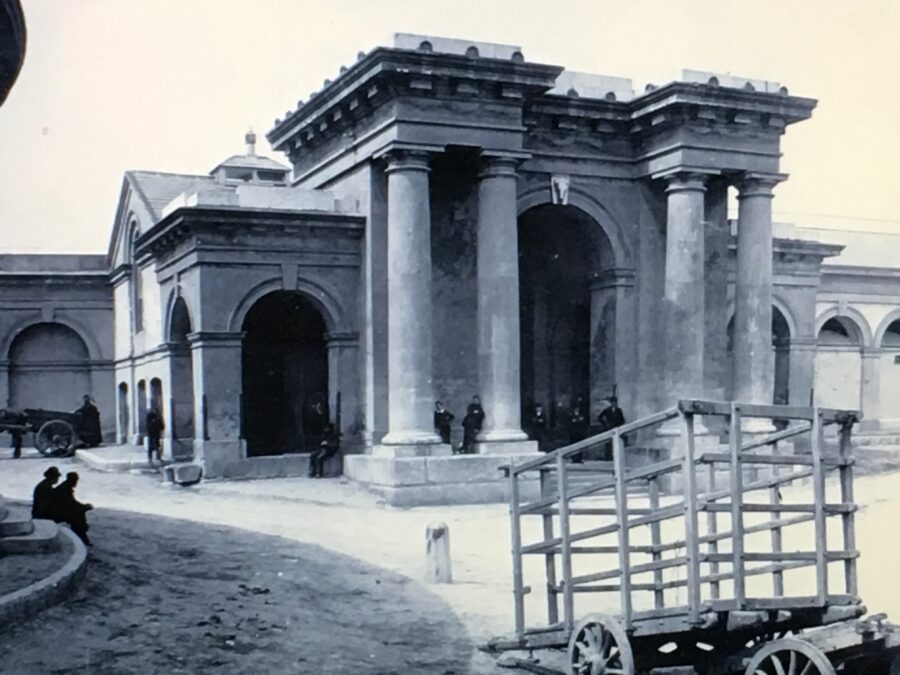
54, 438
599, 646
789, 656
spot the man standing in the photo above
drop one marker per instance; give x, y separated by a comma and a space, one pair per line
537, 426
41, 502
155, 427
442, 419
610, 418
89, 423
327, 449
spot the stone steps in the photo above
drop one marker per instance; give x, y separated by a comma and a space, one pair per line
44, 537
16, 522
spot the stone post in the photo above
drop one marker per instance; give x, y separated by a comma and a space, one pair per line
437, 554
684, 291
4, 384
410, 392
498, 309
754, 377
343, 378
217, 395
870, 386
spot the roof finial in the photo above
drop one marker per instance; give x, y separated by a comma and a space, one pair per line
250, 139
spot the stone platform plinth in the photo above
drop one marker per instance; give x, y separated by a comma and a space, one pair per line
506, 447
434, 480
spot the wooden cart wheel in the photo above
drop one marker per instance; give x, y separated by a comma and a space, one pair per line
600, 646
54, 437
789, 656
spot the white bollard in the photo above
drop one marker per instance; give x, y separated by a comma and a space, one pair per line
437, 554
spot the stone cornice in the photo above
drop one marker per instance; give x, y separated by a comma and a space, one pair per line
382, 71
212, 339
796, 250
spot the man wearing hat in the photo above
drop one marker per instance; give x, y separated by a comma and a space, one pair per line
41, 504
610, 418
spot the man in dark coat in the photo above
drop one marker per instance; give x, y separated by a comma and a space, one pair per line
442, 420
610, 418
537, 426
88, 423
155, 428
327, 449
67, 509
15, 422
471, 425
578, 428
42, 499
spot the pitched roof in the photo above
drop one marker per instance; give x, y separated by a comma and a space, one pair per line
157, 189
252, 162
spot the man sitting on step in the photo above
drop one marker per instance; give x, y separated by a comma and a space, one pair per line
67, 509
41, 503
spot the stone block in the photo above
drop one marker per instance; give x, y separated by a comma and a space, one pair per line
217, 456
277, 466
469, 468
385, 470
506, 447
424, 450
186, 474
456, 493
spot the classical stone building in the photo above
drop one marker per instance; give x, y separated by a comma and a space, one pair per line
457, 220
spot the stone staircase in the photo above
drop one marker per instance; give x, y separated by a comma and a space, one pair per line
19, 534
877, 452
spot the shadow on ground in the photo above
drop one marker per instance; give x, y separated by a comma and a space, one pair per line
171, 596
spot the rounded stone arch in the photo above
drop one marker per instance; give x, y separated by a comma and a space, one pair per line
323, 300
583, 201
174, 297
853, 316
86, 335
878, 339
777, 303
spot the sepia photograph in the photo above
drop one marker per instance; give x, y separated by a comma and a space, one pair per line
447, 337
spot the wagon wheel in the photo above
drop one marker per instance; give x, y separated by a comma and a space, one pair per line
54, 437
599, 646
789, 656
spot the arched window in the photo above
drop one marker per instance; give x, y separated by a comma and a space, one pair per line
137, 298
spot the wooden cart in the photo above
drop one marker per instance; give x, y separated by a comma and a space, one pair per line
55, 432
692, 547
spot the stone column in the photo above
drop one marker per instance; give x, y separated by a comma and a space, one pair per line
684, 290
498, 309
753, 368
802, 369
870, 386
410, 392
343, 379
216, 359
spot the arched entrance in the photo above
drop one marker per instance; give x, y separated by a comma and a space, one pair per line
49, 367
567, 319
839, 364
889, 386
781, 360
122, 406
181, 383
285, 372
141, 410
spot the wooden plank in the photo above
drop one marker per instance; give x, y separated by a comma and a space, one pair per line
659, 600
516, 536
775, 499
772, 439
748, 529
691, 526
830, 509
624, 532
589, 511
712, 527
849, 519
737, 516
789, 603
758, 485
752, 458
549, 560
819, 506
642, 568
785, 412
788, 556
551, 549
565, 543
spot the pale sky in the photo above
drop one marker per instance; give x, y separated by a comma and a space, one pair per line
173, 85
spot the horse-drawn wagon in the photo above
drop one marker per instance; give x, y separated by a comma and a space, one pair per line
719, 560
55, 433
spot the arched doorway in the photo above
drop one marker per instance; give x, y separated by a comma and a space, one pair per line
141, 410
781, 361
124, 418
49, 368
181, 384
285, 372
839, 364
567, 320
888, 384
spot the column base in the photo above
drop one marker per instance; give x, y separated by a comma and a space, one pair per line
408, 450
506, 447
217, 457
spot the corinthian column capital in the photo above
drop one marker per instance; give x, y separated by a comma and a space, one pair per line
686, 181
758, 184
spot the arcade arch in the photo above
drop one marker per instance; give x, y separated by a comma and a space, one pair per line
284, 373
567, 320
838, 372
181, 382
49, 367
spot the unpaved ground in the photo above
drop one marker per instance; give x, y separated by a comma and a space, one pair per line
340, 516
163, 596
